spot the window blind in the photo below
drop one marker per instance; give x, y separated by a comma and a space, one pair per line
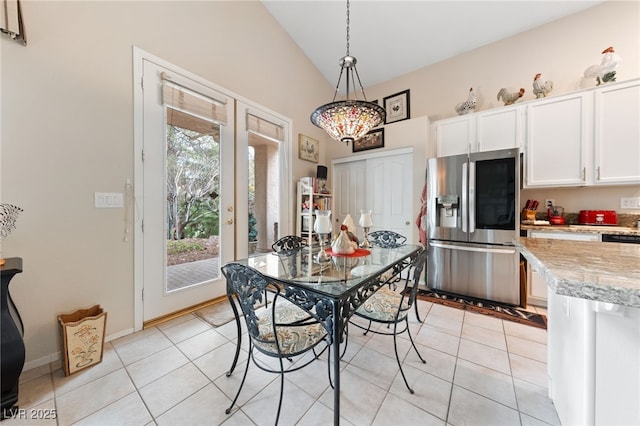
185, 100
265, 128
11, 20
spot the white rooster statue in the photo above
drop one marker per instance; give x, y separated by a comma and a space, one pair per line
509, 98
540, 88
606, 71
469, 105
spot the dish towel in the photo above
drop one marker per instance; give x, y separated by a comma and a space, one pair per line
421, 220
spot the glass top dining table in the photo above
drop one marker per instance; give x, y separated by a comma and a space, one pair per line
334, 289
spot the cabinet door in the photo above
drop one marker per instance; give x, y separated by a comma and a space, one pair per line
454, 136
499, 129
617, 134
537, 289
556, 142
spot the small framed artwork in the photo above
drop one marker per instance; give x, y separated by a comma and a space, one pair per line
308, 148
373, 139
397, 107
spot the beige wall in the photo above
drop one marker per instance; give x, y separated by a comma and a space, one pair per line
67, 132
560, 50
67, 121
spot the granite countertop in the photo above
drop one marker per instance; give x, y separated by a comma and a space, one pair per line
605, 272
583, 229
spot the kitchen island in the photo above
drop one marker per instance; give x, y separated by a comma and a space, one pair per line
593, 340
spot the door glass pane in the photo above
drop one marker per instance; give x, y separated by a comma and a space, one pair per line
264, 193
193, 206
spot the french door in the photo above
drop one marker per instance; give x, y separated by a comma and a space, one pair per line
201, 153
185, 163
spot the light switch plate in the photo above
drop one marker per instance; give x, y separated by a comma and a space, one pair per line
108, 200
630, 203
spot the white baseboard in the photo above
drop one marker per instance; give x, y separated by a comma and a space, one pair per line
57, 356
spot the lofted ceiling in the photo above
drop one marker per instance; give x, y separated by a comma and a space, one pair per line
391, 38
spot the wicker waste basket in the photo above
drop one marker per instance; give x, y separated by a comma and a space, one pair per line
82, 338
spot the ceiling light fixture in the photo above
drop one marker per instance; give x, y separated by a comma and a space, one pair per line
350, 119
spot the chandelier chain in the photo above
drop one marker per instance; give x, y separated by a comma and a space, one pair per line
348, 22
348, 120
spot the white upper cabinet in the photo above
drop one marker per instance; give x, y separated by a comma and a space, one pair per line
454, 135
583, 139
586, 138
487, 131
499, 129
557, 138
617, 134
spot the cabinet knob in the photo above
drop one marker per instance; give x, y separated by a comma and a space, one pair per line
229, 209
229, 221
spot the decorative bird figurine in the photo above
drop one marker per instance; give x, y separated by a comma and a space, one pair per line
510, 98
606, 71
469, 105
540, 88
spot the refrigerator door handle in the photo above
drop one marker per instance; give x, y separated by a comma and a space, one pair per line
465, 201
476, 249
472, 197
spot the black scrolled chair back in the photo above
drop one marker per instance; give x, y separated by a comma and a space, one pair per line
386, 239
248, 286
417, 265
289, 242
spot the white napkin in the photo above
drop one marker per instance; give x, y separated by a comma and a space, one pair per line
348, 221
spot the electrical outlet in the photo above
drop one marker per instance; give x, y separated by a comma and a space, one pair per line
630, 203
549, 202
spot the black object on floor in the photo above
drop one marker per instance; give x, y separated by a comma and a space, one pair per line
505, 312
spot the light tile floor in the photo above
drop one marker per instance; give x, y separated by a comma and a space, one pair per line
479, 371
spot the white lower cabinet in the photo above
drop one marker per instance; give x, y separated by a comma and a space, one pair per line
617, 365
570, 358
593, 352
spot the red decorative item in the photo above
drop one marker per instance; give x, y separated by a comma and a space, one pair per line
597, 217
358, 253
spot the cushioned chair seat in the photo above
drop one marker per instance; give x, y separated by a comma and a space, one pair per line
383, 306
292, 339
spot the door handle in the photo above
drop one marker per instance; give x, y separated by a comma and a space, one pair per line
229, 221
476, 249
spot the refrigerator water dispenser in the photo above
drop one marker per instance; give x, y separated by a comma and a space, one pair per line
447, 207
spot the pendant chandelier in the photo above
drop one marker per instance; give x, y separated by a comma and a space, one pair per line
350, 119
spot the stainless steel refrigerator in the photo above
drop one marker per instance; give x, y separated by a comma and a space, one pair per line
472, 219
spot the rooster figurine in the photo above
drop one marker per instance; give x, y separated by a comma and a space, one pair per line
606, 71
510, 98
469, 105
540, 88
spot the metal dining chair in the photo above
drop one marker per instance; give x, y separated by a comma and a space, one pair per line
289, 242
271, 332
392, 308
387, 239
286, 310
390, 239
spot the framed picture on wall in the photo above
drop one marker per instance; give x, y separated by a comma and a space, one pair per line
397, 107
373, 139
308, 148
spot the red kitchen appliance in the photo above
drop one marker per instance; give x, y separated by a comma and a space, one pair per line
597, 217
555, 215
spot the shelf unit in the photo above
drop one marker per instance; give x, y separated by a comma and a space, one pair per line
305, 215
